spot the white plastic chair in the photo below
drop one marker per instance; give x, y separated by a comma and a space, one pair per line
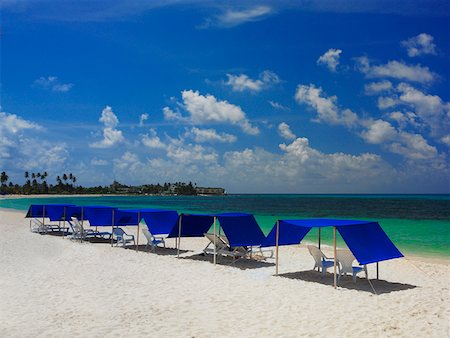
152, 240
122, 237
321, 261
345, 259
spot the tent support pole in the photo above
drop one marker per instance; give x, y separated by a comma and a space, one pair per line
378, 275
64, 224
179, 236
112, 227
137, 235
215, 251
43, 218
277, 239
319, 238
82, 223
334, 247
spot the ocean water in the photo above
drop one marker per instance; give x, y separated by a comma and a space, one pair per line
417, 224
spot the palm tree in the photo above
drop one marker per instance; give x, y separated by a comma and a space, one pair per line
64, 178
3, 178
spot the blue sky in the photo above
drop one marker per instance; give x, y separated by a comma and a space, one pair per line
271, 96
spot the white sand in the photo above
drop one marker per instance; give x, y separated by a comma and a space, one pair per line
55, 287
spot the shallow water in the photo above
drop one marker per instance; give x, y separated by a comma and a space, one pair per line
418, 224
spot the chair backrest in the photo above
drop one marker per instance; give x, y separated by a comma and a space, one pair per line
220, 244
316, 253
345, 258
118, 232
147, 235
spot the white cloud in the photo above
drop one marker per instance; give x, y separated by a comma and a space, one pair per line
153, 141
142, 119
385, 102
189, 153
111, 135
378, 131
278, 106
285, 131
231, 17
53, 83
211, 135
421, 44
326, 107
242, 82
446, 140
403, 119
375, 88
413, 146
12, 124
99, 162
330, 59
204, 109
397, 70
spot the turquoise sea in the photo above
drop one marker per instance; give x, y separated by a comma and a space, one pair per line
417, 224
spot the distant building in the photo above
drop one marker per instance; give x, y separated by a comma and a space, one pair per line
210, 191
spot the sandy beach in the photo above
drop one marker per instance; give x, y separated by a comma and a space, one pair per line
53, 287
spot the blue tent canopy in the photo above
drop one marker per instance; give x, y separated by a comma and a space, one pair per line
56, 211
74, 211
192, 226
125, 217
99, 215
365, 239
241, 229
159, 222
36, 210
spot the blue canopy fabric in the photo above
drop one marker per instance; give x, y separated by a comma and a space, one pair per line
369, 243
289, 234
36, 210
126, 217
241, 229
192, 225
365, 239
99, 215
56, 211
74, 211
160, 222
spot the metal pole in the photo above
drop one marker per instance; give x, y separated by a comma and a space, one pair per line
277, 238
179, 235
137, 236
378, 276
43, 218
64, 224
334, 244
82, 225
319, 238
215, 252
112, 227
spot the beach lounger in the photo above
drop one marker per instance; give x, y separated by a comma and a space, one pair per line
321, 261
79, 232
122, 238
152, 240
254, 250
224, 249
38, 227
345, 259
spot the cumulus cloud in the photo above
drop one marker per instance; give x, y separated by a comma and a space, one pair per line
375, 88
111, 135
285, 131
142, 119
330, 59
233, 17
205, 109
385, 102
211, 135
242, 82
53, 83
278, 106
421, 44
99, 162
153, 141
378, 131
396, 70
325, 106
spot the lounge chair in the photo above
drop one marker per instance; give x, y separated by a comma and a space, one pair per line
345, 259
79, 232
41, 228
253, 250
122, 237
152, 240
321, 261
224, 249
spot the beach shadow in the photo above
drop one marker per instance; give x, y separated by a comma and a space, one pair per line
158, 250
381, 286
243, 264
